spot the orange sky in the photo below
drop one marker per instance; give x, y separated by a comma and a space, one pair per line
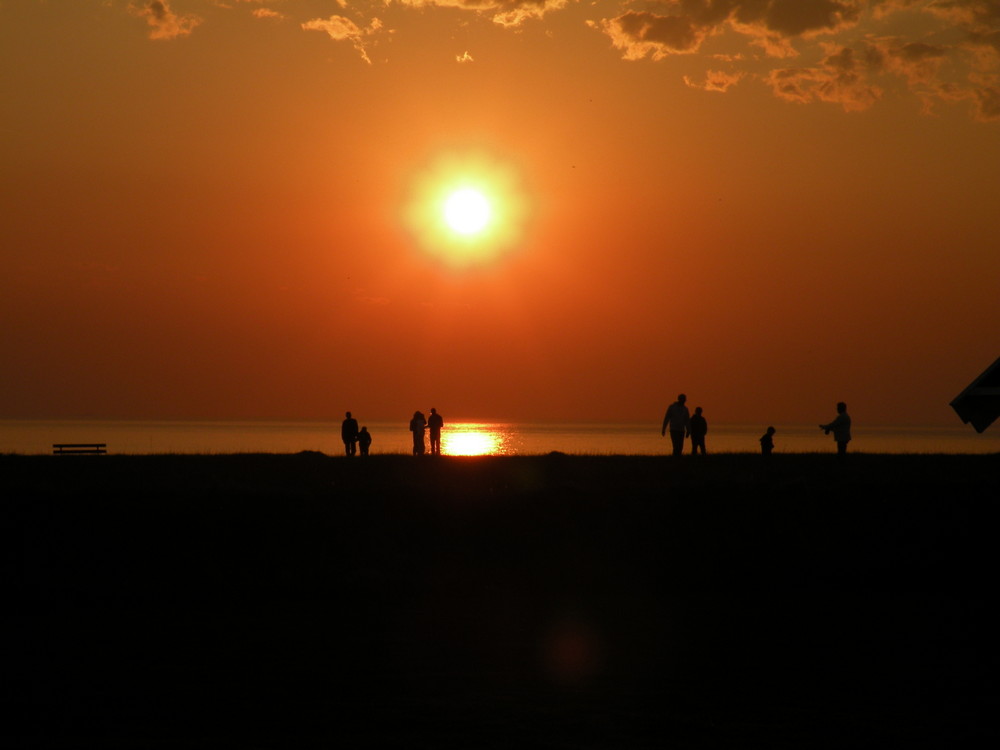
769, 205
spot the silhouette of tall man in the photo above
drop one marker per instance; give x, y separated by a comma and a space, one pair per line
678, 421
841, 429
434, 424
349, 434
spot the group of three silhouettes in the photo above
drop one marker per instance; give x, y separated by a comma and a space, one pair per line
356, 439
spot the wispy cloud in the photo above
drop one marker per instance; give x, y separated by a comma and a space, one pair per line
507, 13
842, 78
341, 28
715, 80
266, 13
163, 22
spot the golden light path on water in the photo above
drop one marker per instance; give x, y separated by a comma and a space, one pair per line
474, 439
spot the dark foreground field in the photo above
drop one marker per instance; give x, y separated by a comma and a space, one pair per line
567, 602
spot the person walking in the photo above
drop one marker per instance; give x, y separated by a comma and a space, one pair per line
698, 430
434, 424
841, 429
349, 434
678, 421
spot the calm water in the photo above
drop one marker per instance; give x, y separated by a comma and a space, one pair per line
469, 438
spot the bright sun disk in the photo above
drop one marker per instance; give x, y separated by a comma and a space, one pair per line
467, 211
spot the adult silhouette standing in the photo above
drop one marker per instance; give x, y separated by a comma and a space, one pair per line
417, 426
434, 424
698, 430
841, 429
678, 421
349, 434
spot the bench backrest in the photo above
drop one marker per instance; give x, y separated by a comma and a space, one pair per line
91, 448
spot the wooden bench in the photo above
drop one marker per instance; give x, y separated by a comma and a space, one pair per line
94, 449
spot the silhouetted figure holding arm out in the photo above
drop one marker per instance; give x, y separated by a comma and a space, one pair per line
435, 423
364, 441
767, 442
417, 426
841, 429
678, 420
699, 428
349, 434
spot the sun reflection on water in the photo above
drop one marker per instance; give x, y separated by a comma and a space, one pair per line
473, 439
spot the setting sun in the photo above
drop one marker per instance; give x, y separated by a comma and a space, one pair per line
467, 211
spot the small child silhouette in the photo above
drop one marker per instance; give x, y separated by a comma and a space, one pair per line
767, 441
364, 440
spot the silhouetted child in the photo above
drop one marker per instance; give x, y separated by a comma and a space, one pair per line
767, 441
698, 430
364, 440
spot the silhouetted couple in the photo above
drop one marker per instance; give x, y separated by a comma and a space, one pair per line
417, 426
681, 425
353, 437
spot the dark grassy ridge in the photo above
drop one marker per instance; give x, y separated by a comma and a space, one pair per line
556, 601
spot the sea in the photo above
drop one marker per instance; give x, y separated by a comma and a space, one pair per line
469, 438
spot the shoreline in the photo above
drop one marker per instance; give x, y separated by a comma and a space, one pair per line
139, 438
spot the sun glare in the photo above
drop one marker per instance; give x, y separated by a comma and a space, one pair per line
472, 439
467, 210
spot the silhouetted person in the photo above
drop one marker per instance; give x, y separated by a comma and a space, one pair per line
349, 434
434, 424
678, 420
364, 441
767, 441
417, 426
698, 430
841, 429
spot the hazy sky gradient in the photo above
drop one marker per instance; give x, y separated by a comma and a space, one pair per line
771, 205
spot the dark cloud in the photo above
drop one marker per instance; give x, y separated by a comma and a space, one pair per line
854, 75
791, 18
682, 26
639, 34
988, 104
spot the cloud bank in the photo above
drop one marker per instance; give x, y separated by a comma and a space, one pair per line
848, 53
940, 50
